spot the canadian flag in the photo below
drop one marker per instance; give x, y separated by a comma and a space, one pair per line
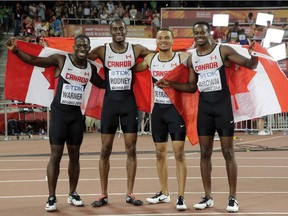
36, 85
254, 93
258, 92
186, 103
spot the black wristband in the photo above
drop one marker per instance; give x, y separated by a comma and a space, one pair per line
15, 51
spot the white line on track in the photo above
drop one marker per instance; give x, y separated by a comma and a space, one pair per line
150, 178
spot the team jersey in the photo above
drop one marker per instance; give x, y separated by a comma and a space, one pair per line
71, 84
158, 70
118, 72
211, 74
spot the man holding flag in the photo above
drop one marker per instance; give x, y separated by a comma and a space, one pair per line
215, 108
66, 125
166, 119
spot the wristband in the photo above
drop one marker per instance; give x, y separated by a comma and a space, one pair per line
15, 51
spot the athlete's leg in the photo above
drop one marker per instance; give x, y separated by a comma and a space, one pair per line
231, 164
206, 147
73, 166
181, 167
161, 164
130, 140
104, 161
53, 167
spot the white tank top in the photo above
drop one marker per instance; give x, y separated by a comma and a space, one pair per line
118, 68
74, 82
208, 68
158, 70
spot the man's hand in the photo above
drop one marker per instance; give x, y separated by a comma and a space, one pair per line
250, 47
11, 44
163, 83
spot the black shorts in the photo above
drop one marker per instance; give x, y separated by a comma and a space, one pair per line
165, 119
66, 126
214, 116
124, 110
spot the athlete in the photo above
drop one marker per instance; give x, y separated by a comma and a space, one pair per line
118, 58
215, 109
66, 123
165, 118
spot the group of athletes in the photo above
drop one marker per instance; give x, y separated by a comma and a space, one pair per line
214, 110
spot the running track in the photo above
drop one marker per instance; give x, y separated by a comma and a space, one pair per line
262, 183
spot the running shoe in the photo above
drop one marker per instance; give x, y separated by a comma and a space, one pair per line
51, 204
103, 200
75, 199
158, 198
204, 203
130, 198
180, 205
233, 205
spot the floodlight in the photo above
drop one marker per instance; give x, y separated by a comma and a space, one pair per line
278, 52
220, 20
262, 19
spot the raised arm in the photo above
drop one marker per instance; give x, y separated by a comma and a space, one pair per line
141, 51
97, 52
143, 65
52, 60
232, 55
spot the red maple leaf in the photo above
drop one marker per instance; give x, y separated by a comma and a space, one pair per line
48, 73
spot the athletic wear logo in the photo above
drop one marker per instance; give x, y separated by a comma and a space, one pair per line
231, 121
182, 126
162, 199
155, 65
212, 58
128, 56
70, 69
110, 56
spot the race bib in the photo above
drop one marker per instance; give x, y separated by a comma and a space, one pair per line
160, 96
72, 94
120, 79
209, 81
234, 34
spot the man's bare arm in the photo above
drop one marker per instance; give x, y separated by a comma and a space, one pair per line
234, 56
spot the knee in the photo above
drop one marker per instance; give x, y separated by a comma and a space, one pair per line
206, 154
55, 157
131, 151
228, 154
179, 156
160, 155
105, 152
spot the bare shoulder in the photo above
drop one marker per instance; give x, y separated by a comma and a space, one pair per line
140, 47
184, 55
97, 52
149, 56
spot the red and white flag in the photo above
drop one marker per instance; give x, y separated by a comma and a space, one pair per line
258, 92
29, 83
186, 103
254, 93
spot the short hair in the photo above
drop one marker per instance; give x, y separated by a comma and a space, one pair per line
202, 23
82, 36
166, 29
118, 20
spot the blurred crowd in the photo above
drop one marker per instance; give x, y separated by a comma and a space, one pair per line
34, 20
